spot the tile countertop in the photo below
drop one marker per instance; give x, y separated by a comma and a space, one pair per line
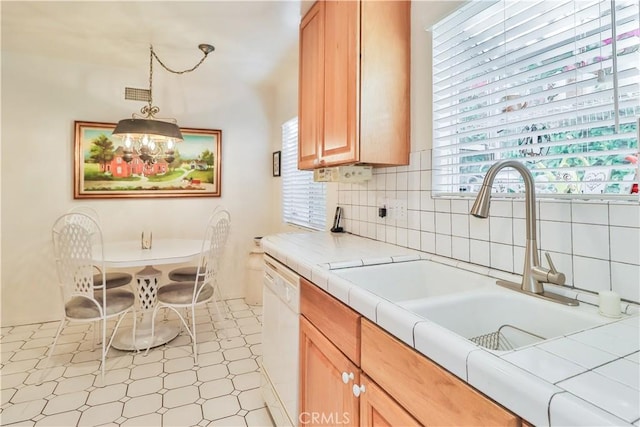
589, 378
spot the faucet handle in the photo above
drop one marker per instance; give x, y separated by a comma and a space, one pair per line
552, 267
552, 275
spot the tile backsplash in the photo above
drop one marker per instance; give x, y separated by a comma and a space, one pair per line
595, 243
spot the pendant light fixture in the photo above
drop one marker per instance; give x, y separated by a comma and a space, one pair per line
146, 136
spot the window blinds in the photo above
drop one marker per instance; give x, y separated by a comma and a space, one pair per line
554, 83
303, 201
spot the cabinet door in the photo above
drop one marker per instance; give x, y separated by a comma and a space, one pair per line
341, 83
378, 409
385, 82
324, 398
311, 87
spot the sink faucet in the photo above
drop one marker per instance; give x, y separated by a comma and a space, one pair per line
534, 275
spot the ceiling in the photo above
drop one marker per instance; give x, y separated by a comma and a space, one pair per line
251, 38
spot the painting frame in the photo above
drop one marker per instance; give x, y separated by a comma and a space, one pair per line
189, 175
277, 162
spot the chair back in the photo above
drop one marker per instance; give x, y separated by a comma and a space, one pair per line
87, 210
75, 238
213, 244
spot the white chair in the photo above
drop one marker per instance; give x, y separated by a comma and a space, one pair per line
77, 244
114, 279
188, 274
179, 296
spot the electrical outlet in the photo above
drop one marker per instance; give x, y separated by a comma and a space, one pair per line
400, 209
396, 209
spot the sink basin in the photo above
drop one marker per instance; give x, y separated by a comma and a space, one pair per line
402, 281
480, 315
472, 305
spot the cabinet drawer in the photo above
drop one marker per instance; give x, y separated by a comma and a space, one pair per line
428, 392
335, 320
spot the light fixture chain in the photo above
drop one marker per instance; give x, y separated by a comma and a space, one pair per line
179, 72
146, 137
151, 77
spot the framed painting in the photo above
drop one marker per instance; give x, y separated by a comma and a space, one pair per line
277, 162
102, 170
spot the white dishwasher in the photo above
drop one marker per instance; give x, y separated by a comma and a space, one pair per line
280, 336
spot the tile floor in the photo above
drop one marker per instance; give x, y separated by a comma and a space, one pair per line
163, 388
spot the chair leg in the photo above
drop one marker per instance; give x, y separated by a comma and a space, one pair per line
133, 332
218, 311
193, 335
104, 342
94, 328
53, 346
184, 321
115, 329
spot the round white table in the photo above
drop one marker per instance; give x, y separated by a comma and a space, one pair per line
129, 253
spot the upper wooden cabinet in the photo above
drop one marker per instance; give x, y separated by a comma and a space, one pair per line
354, 104
311, 86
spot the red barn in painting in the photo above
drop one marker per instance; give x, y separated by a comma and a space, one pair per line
120, 168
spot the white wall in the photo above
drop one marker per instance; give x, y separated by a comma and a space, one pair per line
285, 107
41, 98
596, 244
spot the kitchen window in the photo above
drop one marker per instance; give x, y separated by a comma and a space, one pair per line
303, 200
553, 83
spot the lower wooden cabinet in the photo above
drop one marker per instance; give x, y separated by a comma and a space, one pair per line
431, 394
339, 323
353, 373
325, 399
377, 408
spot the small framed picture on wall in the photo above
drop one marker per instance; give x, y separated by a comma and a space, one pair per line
276, 163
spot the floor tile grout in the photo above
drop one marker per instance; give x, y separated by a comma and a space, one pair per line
162, 388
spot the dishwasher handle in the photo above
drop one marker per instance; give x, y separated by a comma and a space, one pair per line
276, 269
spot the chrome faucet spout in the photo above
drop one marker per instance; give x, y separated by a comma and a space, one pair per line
534, 274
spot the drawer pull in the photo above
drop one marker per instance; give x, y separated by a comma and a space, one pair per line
271, 266
346, 377
358, 390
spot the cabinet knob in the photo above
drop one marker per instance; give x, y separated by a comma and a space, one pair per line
358, 390
346, 377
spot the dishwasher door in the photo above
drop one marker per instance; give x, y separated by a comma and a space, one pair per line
280, 336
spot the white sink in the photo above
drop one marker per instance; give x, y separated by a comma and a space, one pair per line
470, 304
475, 315
412, 280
